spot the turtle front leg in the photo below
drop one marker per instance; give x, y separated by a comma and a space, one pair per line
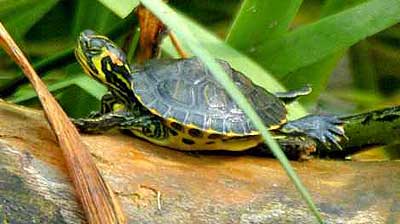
326, 129
148, 125
108, 102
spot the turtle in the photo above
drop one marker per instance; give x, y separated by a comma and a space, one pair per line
178, 103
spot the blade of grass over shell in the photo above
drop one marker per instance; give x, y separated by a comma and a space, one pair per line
219, 49
168, 17
261, 20
311, 43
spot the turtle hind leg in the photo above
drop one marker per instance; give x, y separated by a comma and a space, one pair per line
295, 147
290, 96
328, 130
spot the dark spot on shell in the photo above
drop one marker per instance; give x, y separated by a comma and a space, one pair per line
195, 133
187, 141
214, 136
173, 132
210, 142
177, 126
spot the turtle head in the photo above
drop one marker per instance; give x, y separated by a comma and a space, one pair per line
103, 60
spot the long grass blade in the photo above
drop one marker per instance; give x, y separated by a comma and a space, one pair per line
170, 18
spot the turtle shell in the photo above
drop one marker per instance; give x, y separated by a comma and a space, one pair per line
184, 91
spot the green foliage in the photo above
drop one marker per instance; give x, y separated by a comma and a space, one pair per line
252, 17
318, 73
311, 43
91, 14
20, 15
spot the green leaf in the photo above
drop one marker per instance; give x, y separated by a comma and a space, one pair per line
19, 16
174, 22
91, 14
363, 68
313, 42
269, 18
334, 6
90, 86
122, 8
318, 73
77, 108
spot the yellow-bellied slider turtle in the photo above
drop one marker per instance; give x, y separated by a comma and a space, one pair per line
178, 103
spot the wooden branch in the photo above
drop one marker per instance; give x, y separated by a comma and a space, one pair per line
379, 127
374, 128
96, 196
151, 34
160, 185
177, 45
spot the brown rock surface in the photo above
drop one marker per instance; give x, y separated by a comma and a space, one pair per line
159, 185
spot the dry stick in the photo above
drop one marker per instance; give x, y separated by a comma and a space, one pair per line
177, 45
98, 200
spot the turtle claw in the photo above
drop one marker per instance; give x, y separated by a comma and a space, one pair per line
338, 130
333, 140
328, 130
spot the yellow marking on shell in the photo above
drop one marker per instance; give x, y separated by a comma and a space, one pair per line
176, 142
277, 126
154, 111
231, 134
234, 144
237, 143
190, 126
254, 133
171, 119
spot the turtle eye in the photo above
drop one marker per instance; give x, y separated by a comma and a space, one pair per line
94, 51
95, 46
